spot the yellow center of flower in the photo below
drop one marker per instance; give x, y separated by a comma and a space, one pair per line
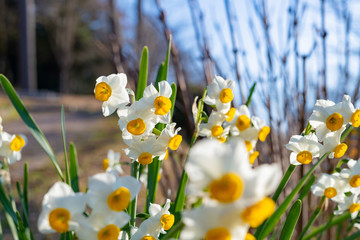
119, 199
230, 114
109, 232
145, 158
159, 177
175, 142
162, 105
221, 139
105, 164
257, 213
330, 192
227, 189
355, 181
148, 238
253, 157
249, 236
102, 91
59, 219
17, 143
334, 121
167, 221
243, 122
136, 126
304, 157
219, 233
249, 146
354, 207
263, 133
340, 150
217, 130
355, 118
226, 95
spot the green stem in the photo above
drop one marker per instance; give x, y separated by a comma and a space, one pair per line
333, 222
356, 235
250, 95
132, 207
315, 214
284, 181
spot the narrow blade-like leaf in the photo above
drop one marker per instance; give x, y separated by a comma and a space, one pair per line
143, 73
74, 179
29, 121
291, 221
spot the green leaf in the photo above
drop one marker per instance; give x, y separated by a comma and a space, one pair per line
143, 73
252, 89
153, 172
164, 66
25, 187
306, 189
7, 204
67, 173
354, 236
173, 98
313, 217
21, 229
291, 221
30, 123
74, 179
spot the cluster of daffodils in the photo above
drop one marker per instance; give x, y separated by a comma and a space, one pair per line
100, 213
11, 145
329, 121
226, 120
233, 192
138, 119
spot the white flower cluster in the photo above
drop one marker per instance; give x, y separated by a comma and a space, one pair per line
11, 145
229, 120
329, 121
97, 214
137, 120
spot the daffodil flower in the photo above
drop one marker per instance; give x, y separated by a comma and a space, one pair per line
136, 122
11, 146
144, 151
352, 175
333, 145
160, 221
304, 149
60, 207
331, 186
169, 137
101, 226
220, 93
159, 101
241, 122
329, 117
111, 90
351, 203
111, 163
212, 166
213, 128
109, 193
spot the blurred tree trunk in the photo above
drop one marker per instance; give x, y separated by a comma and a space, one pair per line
28, 78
